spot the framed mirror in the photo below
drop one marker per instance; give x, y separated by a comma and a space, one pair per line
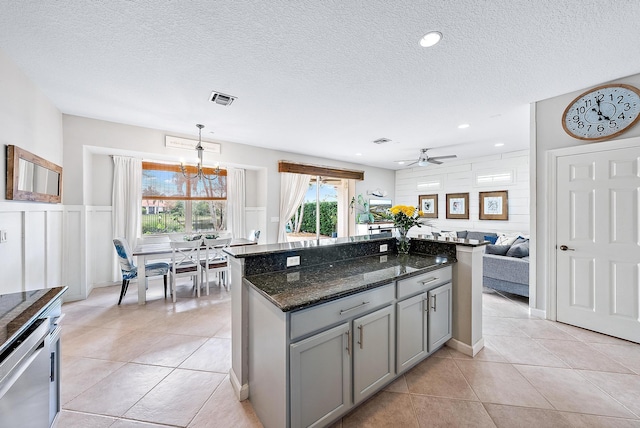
32, 178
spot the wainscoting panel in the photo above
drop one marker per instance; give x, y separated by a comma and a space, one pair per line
11, 280
256, 218
35, 254
54, 239
102, 255
74, 259
32, 256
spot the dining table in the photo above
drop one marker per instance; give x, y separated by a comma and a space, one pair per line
160, 250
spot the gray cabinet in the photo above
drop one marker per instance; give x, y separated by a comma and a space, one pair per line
373, 352
424, 325
439, 316
320, 377
412, 331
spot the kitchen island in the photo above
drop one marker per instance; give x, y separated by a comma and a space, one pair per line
347, 316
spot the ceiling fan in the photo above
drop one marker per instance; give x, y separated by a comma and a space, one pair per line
423, 159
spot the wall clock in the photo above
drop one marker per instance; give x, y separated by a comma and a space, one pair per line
602, 112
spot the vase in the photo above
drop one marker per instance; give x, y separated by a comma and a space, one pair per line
403, 241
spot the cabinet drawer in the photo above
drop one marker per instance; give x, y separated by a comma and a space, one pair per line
318, 317
418, 284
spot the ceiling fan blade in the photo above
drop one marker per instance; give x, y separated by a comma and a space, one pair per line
444, 157
412, 163
433, 160
404, 160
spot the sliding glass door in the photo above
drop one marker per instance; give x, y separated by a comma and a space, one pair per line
328, 197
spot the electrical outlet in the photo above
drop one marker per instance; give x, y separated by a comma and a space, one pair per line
3, 236
293, 261
383, 248
383, 259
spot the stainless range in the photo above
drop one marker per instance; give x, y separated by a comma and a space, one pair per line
30, 358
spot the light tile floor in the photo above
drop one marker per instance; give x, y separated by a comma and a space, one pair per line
167, 364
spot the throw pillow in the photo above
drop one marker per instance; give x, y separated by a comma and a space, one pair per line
452, 235
498, 250
491, 239
435, 234
462, 233
506, 239
519, 250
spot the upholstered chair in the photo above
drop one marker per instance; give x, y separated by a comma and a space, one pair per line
130, 270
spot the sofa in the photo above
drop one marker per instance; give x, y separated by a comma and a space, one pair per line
505, 261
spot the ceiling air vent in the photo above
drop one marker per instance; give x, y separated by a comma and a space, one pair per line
222, 99
381, 141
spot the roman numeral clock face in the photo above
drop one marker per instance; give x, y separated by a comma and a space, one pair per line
603, 112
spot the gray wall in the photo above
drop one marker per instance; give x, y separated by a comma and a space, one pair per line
88, 176
31, 258
550, 135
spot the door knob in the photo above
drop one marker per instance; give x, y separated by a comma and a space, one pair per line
565, 248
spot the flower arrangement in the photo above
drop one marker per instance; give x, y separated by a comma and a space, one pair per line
404, 218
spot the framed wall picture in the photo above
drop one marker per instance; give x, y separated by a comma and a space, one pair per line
458, 206
428, 204
494, 205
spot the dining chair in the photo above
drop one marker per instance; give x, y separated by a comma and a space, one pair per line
130, 270
253, 235
185, 261
215, 261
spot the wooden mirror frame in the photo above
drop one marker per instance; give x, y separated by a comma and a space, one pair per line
14, 154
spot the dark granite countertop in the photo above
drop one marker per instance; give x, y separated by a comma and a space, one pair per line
254, 250
456, 241
295, 289
19, 310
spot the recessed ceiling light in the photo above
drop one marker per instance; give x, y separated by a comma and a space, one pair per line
430, 39
499, 144
401, 162
463, 126
358, 154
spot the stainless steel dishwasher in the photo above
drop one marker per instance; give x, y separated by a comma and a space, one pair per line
25, 370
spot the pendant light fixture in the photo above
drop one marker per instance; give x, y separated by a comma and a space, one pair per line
200, 175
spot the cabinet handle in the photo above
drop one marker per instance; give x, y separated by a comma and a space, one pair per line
348, 333
429, 281
434, 303
361, 328
344, 311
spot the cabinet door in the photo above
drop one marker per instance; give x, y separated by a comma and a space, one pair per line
320, 377
439, 316
411, 319
373, 352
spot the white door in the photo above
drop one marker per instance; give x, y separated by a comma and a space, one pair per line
598, 241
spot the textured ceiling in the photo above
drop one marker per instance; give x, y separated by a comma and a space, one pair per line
323, 78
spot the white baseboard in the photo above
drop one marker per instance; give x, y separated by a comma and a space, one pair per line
539, 313
464, 348
241, 391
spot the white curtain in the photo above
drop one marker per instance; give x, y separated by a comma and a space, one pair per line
293, 187
126, 199
236, 201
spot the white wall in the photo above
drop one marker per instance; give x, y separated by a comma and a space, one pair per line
549, 136
32, 256
459, 177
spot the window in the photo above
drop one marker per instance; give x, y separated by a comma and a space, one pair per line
173, 203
